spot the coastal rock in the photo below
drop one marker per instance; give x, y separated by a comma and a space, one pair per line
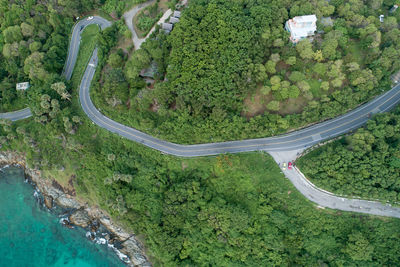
133, 249
48, 201
117, 231
66, 202
84, 215
80, 218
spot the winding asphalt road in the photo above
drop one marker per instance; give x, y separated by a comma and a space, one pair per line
288, 143
76, 39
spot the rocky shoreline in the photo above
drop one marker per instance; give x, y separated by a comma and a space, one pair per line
125, 244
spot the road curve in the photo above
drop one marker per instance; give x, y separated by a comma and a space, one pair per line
69, 65
288, 142
128, 17
74, 44
326, 199
291, 142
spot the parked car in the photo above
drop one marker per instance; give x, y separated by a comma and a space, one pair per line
284, 166
290, 165
90, 18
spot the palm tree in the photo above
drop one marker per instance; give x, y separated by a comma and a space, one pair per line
65, 96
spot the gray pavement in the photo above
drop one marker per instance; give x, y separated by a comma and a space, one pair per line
129, 15
16, 115
288, 142
76, 41
327, 199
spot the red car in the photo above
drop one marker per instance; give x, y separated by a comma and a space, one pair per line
290, 165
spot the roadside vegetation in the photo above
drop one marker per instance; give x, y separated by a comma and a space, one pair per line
227, 70
365, 164
147, 18
18, 99
87, 45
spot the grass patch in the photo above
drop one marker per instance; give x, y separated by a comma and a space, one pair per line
355, 50
88, 43
255, 104
315, 88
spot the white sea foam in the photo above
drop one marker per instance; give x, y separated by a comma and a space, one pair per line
120, 255
101, 241
63, 219
4, 167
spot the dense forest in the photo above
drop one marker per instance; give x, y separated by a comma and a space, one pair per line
230, 210
365, 164
228, 70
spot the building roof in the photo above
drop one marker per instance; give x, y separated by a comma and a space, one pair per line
177, 14
22, 86
173, 20
307, 18
301, 27
167, 26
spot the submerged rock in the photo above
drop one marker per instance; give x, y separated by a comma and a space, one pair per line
80, 218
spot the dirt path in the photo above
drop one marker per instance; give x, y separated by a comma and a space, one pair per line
129, 15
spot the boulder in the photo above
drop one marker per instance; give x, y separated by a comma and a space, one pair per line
80, 218
67, 202
133, 249
117, 231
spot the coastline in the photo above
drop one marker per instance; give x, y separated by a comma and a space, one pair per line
124, 243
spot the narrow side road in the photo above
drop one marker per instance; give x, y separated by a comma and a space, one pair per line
129, 15
327, 199
16, 115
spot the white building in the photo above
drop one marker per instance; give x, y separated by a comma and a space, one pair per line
301, 27
22, 86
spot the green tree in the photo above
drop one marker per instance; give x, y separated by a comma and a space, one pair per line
26, 29
358, 247
304, 48
291, 60
12, 34
270, 67
273, 105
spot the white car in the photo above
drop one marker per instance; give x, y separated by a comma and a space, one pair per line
90, 18
284, 166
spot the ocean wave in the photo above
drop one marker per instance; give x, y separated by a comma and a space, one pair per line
120, 255
4, 167
100, 240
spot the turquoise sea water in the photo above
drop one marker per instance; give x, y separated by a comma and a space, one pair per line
32, 236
